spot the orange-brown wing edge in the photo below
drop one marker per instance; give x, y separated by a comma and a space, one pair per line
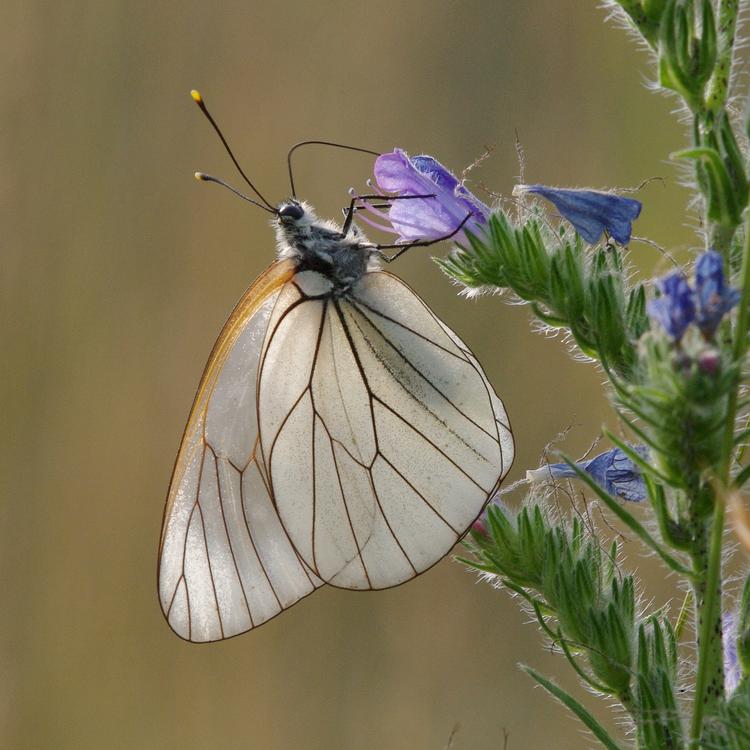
272, 279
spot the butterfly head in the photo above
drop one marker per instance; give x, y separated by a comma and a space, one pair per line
292, 213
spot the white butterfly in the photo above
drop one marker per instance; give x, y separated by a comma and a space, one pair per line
341, 434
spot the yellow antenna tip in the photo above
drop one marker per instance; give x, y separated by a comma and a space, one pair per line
197, 98
200, 176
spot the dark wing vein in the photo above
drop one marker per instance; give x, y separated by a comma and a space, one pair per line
210, 569
424, 499
427, 440
408, 362
359, 304
343, 497
314, 486
370, 394
187, 533
306, 390
309, 389
421, 404
388, 523
472, 360
229, 539
255, 549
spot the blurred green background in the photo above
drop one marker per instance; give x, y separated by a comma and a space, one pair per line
118, 270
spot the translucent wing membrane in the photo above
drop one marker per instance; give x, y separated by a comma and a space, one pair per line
226, 564
343, 439
382, 438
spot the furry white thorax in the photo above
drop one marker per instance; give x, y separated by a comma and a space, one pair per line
320, 245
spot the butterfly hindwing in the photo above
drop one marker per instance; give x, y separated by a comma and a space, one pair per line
382, 437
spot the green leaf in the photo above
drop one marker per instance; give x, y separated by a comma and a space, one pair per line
742, 477
577, 708
671, 531
723, 206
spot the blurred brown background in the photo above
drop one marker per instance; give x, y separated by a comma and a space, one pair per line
118, 270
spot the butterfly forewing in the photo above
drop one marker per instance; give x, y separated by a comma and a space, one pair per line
226, 564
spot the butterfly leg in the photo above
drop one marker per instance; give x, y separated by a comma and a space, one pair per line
419, 243
349, 213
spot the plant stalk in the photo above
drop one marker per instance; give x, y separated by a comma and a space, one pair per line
709, 684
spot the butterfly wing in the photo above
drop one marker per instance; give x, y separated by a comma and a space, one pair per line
382, 437
226, 564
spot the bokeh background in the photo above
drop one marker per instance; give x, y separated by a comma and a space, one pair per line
117, 271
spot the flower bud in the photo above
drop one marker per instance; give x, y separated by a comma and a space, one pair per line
685, 61
709, 361
480, 527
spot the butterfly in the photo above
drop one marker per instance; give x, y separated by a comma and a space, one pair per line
341, 434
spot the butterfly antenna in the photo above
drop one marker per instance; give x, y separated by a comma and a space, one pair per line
320, 143
198, 99
202, 177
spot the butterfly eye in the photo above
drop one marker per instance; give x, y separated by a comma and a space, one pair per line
292, 211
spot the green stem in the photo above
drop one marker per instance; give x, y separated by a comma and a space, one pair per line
727, 26
720, 238
699, 179
709, 681
740, 349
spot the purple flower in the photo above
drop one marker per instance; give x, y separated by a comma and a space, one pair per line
425, 218
679, 305
591, 212
714, 297
613, 471
674, 310
732, 667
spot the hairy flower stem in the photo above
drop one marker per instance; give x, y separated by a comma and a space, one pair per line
709, 682
717, 236
697, 142
720, 238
